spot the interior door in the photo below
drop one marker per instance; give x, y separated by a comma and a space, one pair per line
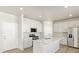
10, 38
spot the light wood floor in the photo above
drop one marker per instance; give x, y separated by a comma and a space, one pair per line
26, 50
67, 49
63, 49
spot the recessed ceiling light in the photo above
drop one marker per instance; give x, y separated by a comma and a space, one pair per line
65, 6
40, 16
70, 14
21, 8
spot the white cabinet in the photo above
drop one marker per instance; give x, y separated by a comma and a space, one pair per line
76, 37
45, 46
8, 32
29, 23
62, 36
63, 40
27, 41
48, 29
10, 38
39, 27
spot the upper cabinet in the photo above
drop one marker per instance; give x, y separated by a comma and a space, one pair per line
29, 23
63, 26
48, 29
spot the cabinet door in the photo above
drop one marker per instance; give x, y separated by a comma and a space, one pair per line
70, 42
63, 40
27, 41
10, 38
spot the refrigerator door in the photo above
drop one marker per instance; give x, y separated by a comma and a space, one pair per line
70, 42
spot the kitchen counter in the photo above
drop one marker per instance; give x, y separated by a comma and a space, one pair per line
45, 45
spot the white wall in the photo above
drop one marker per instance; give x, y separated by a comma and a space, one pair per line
8, 31
63, 26
48, 29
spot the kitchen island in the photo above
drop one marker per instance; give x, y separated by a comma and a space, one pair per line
46, 45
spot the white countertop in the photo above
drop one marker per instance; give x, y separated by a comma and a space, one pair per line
48, 39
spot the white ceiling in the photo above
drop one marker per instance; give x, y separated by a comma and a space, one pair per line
47, 12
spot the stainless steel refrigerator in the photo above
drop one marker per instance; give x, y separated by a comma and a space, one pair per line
73, 37
70, 40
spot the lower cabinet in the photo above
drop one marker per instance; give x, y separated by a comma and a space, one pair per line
63, 40
27, 42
